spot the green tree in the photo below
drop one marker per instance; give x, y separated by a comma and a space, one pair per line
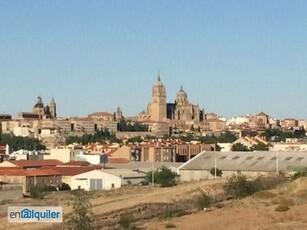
239, 147
227, 137
260, 147
100, 136
81, 217
135, 139
17, 142
162, 176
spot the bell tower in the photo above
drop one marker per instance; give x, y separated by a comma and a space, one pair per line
52, 108
157, 108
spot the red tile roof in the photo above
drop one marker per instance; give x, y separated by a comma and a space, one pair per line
72, 171
23, 172
35, 163
75, 164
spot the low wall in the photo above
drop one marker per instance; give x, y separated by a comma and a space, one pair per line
10, 192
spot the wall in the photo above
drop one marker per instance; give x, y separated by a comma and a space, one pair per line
194, 175
63, 155
11, 192
43, 181
83, 180
15, 180
122, 152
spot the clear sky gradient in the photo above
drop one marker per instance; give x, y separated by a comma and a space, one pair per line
231, 57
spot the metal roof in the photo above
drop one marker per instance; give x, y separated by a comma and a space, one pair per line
125, 173
265, 161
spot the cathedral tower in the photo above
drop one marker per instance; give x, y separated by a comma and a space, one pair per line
157, 106
52, 108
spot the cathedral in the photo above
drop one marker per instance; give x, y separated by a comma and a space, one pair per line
181, 109
48, 111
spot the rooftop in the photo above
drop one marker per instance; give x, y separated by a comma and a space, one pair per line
265, 161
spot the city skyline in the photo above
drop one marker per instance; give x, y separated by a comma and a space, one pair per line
231, 57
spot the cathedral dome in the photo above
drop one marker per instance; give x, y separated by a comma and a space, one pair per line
181, 97
39, 103
181, 93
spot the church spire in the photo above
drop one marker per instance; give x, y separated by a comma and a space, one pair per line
158, 76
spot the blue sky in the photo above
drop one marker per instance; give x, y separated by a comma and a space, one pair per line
231, 57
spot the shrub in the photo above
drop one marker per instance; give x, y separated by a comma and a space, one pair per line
81, 217
126, 220
298, 174
170, 225
286, 201
264, 195
64, 187
203, 200
282, 208
218, 172
49, 188
269, 182
237, 186
37, 193
171, 214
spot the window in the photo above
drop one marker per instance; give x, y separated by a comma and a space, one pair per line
207, 157
223, 157
288, 158
273, 158
249, 158
236, 157
260, 158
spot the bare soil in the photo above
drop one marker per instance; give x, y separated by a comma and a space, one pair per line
255, 212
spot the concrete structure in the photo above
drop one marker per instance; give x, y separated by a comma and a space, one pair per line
225, 147
64, 155
10, 191
249, 163
127, 176
145, 166
105, 116
95, 180
92, 158
69, 171
288, 146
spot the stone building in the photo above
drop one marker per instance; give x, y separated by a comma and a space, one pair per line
48, 111
157, 107
181, 110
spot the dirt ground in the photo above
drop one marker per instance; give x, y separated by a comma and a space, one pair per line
256, 212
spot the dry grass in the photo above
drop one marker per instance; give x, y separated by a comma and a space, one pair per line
282, 208
264, 195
